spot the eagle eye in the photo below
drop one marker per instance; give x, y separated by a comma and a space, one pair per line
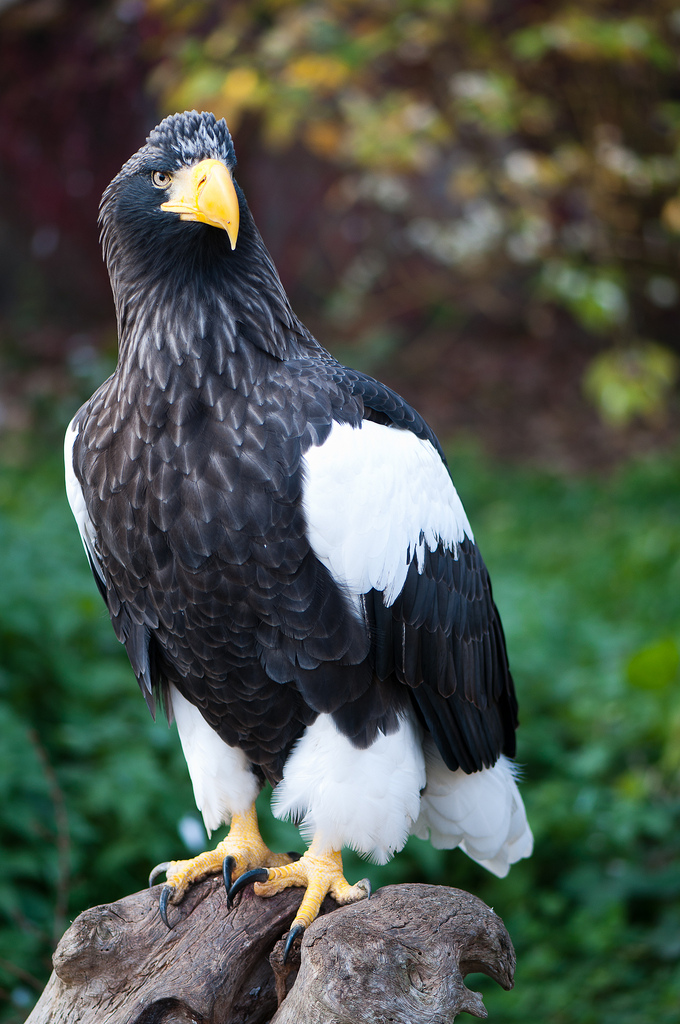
160, 179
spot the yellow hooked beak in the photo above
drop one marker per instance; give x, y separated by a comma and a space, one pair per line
205, 192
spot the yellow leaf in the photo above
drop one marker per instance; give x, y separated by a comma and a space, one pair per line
240, 86
316, 71
671, 214
323, 138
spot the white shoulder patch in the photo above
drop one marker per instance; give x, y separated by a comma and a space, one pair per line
375, 497
74, 493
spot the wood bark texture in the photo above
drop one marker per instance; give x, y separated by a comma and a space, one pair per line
400, 956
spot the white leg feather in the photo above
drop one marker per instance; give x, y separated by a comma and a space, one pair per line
223, 781
364, 799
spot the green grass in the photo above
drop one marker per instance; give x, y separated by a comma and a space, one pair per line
587, 576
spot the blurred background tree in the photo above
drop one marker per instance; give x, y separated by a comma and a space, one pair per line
456, 191
479, 202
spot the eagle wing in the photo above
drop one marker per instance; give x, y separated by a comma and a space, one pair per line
137, 636
385, 518
379, 598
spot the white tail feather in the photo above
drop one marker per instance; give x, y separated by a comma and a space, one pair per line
482, 813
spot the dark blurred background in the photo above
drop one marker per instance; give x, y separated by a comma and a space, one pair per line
477, 201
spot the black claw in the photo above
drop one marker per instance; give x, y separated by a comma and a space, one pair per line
369, 888
294, 855
158, 870
256, 875
166, 893
299, 929
228, 865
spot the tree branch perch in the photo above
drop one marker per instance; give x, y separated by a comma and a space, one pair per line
401, 956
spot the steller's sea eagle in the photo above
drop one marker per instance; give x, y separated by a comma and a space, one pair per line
283, 554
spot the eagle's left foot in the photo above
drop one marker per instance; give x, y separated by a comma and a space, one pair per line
319, 872
241, 850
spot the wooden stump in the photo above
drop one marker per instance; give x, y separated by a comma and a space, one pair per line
401, 956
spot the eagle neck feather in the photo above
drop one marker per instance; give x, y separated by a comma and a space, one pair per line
207, 298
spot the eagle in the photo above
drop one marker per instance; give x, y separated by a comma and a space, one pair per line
283, 554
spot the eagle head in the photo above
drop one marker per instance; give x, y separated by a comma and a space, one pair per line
182, 173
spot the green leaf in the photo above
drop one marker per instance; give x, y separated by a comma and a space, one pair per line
654, 667
630, 382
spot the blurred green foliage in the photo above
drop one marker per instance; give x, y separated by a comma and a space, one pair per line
633, 381
587, 576
535, 147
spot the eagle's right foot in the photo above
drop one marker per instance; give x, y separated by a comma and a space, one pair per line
241, 850
319, 872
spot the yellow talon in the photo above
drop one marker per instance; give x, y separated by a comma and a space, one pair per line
319, 871
243, 844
